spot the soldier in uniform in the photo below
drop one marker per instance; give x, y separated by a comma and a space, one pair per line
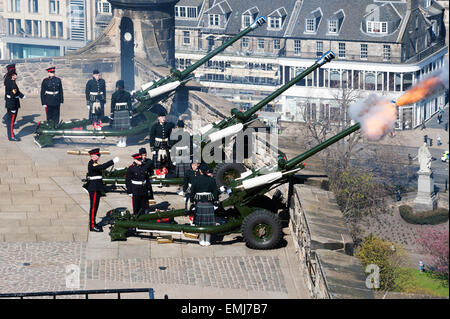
204, 193
9, 69
149, 165
121, 111
160, 141
12, 96
181, 149
189, 177
95, 185
52, 95
138, 184
96, 99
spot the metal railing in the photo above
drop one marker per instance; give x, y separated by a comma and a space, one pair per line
22, 295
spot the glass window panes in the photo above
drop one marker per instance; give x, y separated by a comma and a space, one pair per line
332, 26
186, 37
363, 53
319, 48
386, 52
276, 44
310, 25
244, 42
214, 20
260, 43
341, 51
246, 20
297, 47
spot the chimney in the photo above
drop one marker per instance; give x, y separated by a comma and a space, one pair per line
412, 5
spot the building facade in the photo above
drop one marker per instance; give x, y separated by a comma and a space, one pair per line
381, 47
40, 28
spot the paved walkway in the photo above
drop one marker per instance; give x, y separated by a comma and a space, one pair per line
44, 229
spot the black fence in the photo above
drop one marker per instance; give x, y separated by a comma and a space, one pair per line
86, 293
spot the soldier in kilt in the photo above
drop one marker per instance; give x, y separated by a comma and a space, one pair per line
204, 193
181, 149
160, 134
121, 111
187, 184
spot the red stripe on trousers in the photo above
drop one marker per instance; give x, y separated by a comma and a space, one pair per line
93, 209
12, 125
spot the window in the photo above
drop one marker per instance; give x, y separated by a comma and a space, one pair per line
11, 27
341, 50
28, 27
319, 48
33, 6
54, 6
310, 25
246, 21
260, 43
36, 28
363, 53
386, 53
274, 23
244, 42
186, 37
376, 27
15, 5
106, 7
60, 30
192, 12
332, 26
276, 44
213, 20
183, 12
297, 47
53, 29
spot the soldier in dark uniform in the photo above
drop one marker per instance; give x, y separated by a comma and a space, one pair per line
149, 166
160, 141
12, 96
189, 177
9, 69
52, 95
138, 184
181, 149
121, 111
96, 99
204, 193
95, 185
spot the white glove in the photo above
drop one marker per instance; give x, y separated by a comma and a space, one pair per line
116, 159
24, 97
44, 106
131, 195
88, 106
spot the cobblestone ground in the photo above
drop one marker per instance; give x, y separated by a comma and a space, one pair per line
36, 267
260, 273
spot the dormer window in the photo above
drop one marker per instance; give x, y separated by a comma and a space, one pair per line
313, 20
186, 12
214, 20
275, 23
247, 20
377, 27
333, 26
310, 25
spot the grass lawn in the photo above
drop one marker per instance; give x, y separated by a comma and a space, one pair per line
425, 283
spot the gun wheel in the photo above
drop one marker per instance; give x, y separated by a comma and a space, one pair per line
226, 172
262, 230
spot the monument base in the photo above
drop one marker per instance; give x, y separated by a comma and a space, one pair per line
426, 198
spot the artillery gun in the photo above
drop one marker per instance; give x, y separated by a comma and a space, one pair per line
150, 94
245, 209
224, 129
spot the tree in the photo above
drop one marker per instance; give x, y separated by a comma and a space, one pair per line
390, 258
434, 242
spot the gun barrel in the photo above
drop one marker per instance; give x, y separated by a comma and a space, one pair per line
258, 22
327, 57
300, 158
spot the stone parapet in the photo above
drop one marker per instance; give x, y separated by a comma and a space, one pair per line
324, 246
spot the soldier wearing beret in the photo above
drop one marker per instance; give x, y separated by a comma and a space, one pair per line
12, 99
52, 95
96, 99
95, 185
204, 193
160, 140
138, 184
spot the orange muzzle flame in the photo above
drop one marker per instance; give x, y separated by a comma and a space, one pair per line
420, 91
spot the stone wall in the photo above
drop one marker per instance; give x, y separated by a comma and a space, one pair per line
324, 246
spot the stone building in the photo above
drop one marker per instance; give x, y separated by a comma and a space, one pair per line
382, 47
43, 28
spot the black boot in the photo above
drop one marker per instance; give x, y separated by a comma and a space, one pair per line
96, 228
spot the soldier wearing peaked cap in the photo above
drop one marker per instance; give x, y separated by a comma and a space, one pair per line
149, 166
138, 184
52, 95
12, 96
96, 99
95, 185
160, 140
